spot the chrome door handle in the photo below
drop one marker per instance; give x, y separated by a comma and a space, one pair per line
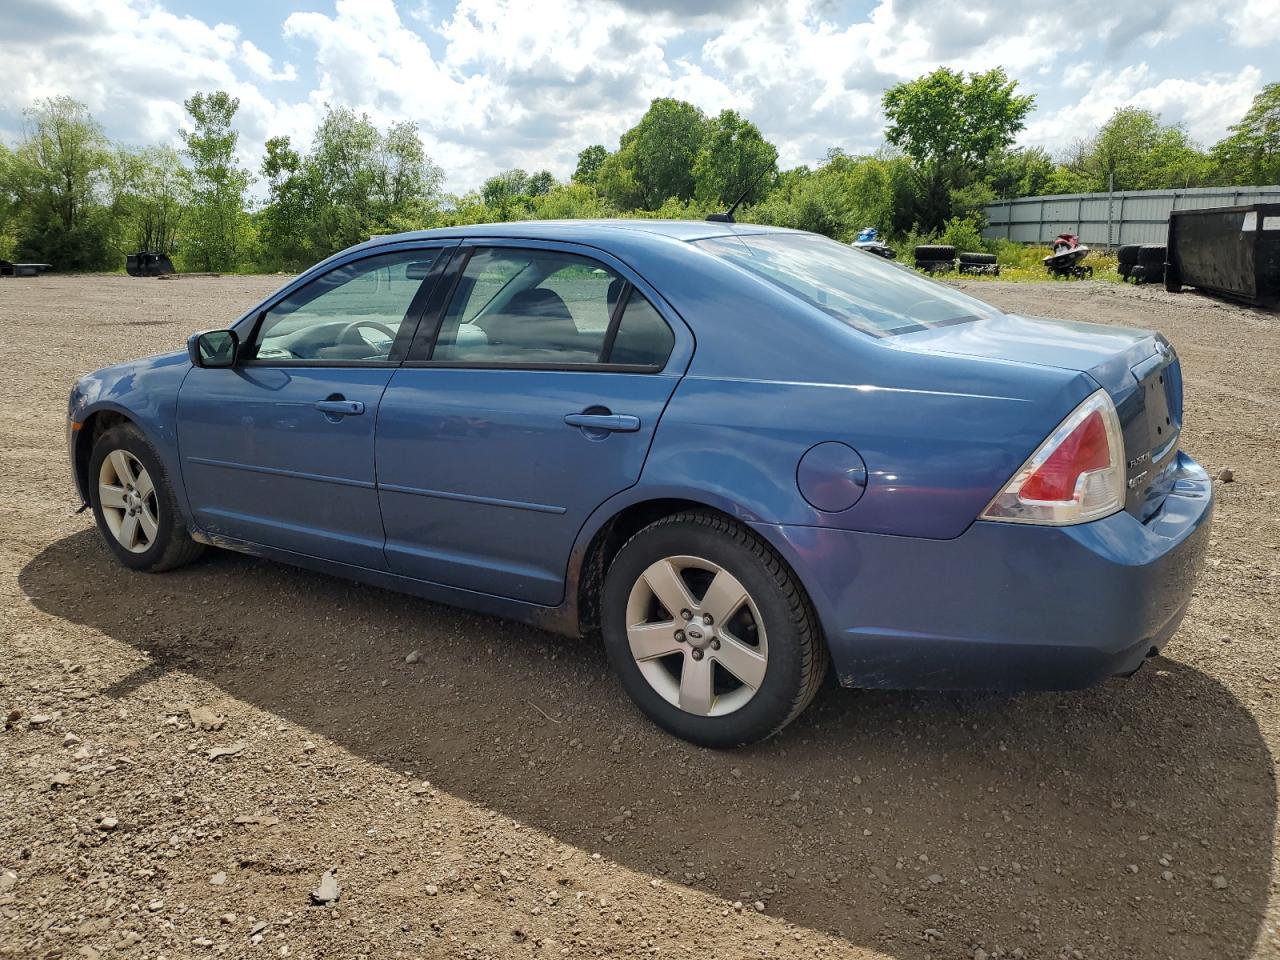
613, 422
340, 408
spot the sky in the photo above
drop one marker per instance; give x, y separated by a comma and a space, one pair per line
496, 84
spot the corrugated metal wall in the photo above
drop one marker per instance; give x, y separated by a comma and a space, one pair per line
1108, 220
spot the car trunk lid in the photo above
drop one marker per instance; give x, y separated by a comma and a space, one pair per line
1137, 368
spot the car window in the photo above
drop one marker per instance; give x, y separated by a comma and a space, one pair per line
528, 306
643, 337
865, 291
350, 314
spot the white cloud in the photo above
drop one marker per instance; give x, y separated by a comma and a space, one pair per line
500, 83
133, 64
259, 63
1255, 23
1206, 105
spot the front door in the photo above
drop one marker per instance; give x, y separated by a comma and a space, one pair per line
279, 449
535, 403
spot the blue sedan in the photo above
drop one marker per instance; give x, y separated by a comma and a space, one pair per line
741, 456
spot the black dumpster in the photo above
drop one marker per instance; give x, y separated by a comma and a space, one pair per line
1234, 251
144, 264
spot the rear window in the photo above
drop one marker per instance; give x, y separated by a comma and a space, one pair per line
865, 291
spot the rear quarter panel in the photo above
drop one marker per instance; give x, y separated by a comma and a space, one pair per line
772, 377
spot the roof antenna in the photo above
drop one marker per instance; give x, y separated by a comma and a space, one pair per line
727, 216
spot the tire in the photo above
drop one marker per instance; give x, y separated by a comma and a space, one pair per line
983, 258
935, 266
934, 252
1128, 253
683, 554
1124, 269
1151, 255
1150, 265
1172, 278
145, 532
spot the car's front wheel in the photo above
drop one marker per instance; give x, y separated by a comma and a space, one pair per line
709, 632
134, 504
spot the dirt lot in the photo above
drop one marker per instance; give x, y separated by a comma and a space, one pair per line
501, 798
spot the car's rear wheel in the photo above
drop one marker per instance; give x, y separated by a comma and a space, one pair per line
709, 632
134, 504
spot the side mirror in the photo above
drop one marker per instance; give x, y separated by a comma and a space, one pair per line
215, 348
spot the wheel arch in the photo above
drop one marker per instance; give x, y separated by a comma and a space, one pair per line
615, 524
94, 425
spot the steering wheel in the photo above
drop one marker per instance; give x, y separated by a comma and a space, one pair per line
350, 333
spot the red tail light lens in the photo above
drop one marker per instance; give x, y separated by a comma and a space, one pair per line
1084, 449
1076, 475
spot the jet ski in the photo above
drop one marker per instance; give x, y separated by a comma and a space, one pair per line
1067, 257
869, 240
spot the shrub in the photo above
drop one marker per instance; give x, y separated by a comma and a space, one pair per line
964, 235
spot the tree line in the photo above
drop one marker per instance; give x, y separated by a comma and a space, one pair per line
71, 197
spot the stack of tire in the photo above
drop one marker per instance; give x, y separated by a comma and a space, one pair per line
1142, 263
979, 263
935, 257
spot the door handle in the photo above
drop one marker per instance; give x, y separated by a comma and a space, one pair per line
339, 408
613, 422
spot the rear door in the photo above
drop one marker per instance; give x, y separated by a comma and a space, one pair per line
279, 450
530, 401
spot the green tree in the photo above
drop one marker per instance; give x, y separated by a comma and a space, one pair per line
8, 200
655, 158
1133, 150
510, 195
952, 125
1250, 153
734, 159
572, 201
504, 190
282, 222
816, 200
1024, 172
589, 161
354, 182
217, 231
410, 180
539, 183
150, 190
59, 176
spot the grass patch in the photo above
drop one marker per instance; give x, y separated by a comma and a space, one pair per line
1025, 264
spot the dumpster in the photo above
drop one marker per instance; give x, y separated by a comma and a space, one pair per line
144, 264
1233, 251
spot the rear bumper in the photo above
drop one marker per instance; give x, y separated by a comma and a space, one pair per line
1005, 606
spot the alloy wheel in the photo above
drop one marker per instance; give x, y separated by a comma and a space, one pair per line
697, 636
127, 496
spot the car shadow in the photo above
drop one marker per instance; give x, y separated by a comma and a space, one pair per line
1099, 820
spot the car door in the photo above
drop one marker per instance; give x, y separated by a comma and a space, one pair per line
529, 402
279, 449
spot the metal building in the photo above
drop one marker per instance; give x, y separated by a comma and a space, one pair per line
1110, 219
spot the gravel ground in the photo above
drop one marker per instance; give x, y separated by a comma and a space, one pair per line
499, 797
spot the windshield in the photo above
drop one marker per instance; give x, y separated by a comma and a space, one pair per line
865, 291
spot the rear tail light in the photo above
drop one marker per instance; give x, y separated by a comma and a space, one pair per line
1076, 475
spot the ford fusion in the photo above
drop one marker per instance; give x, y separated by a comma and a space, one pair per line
743, 457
